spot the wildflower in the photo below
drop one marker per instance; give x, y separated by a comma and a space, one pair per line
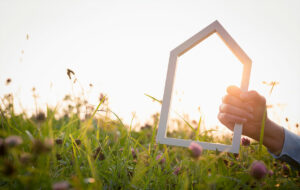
245, 141
58, 141
285, 169
8, 81
63, 185
2, 147
226, 162
13, 141
146, 126
99, 154
161, 159
176, 171
48, 143
195, 149
25, 158
58, 156
134, 153
78, 142
70, 73
297, 125
40, 117
102, 97
286, 119
270, 173
258, 170
39, 146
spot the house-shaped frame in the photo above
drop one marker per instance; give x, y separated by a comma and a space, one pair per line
214, 27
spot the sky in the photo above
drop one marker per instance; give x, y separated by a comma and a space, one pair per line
122, 48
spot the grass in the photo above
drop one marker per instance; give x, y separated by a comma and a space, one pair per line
101, 152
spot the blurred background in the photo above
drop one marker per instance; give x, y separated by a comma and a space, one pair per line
121, 49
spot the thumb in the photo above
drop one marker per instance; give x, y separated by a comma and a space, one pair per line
234, 91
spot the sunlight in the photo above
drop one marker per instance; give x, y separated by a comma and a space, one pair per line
202, 76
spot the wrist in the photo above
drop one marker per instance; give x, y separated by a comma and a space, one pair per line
273, 137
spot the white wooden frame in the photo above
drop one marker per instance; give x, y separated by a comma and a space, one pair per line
214, 27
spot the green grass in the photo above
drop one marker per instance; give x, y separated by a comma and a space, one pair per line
111, 155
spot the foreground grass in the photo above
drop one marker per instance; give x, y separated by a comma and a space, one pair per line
103, 153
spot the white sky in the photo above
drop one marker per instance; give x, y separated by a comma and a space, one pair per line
122, 48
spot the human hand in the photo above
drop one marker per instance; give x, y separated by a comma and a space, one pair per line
249, 109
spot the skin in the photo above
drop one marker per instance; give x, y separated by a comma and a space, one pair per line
248, 109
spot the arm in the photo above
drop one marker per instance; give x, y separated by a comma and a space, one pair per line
248, 108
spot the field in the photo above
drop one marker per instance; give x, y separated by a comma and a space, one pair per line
67, 151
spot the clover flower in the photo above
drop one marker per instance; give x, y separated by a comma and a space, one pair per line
258, 170
78, 142
58, 141
40, 117
13, 141
245, 141
98, 153
195, 149
176, 170
270, 173
285, 169
39, 146
161, 159
134, 152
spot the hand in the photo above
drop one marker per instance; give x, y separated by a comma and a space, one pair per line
246, 108
249, 108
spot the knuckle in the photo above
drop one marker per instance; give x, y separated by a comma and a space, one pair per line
225, 107
225, 98
221, 116
220, 108
263, 100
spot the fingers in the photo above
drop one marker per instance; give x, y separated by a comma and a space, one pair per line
246, 96
252, 96
237, 102
229, 120
236, 111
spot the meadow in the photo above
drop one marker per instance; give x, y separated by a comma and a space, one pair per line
66, 149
